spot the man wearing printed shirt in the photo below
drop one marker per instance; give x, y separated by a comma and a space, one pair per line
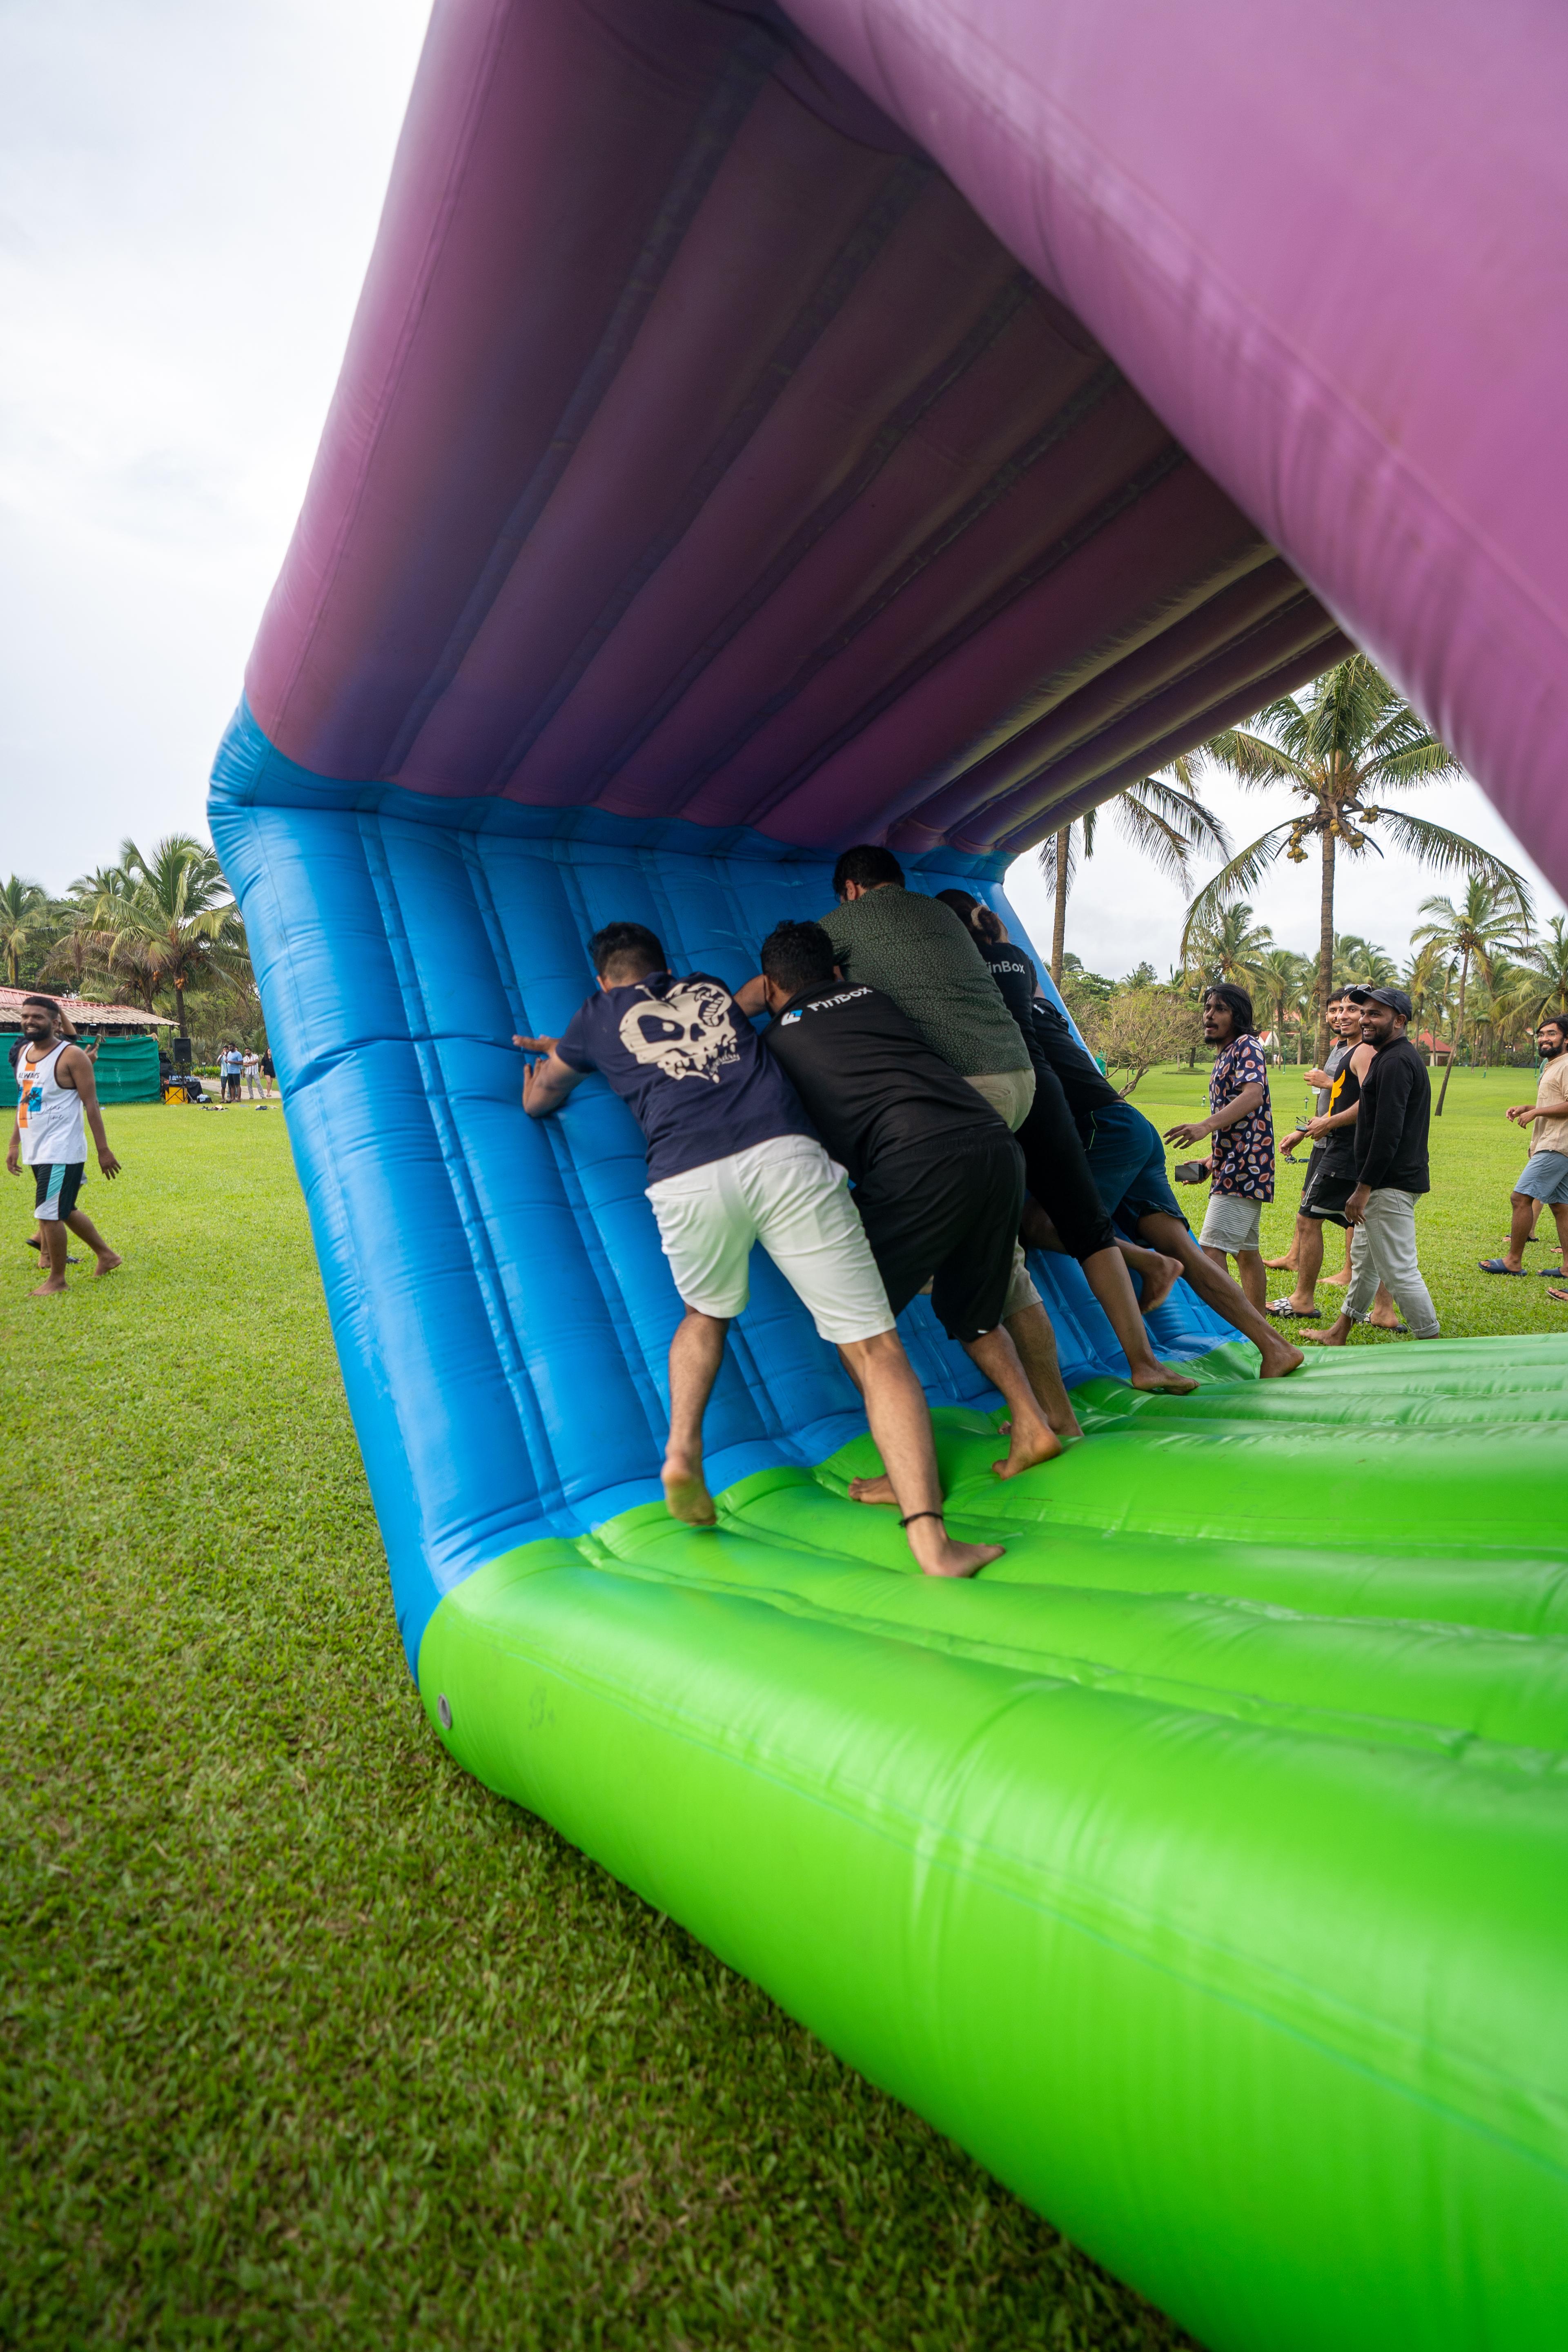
1241, 1164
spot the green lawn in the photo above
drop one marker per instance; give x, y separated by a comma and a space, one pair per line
308, 2039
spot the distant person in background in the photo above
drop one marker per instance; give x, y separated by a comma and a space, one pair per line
1544, 1177
1393, 1123
1240, 1165
251, 1072
56, 1103
1330, 1170
268, 1070
229, 1063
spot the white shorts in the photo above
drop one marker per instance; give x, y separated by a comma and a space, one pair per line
788, 1194
1231, 1222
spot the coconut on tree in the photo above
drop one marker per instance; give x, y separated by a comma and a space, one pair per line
1340, 748
1162, 816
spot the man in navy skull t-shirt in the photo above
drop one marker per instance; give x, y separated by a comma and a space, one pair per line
733, 1160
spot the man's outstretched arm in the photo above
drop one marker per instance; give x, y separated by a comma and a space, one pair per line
547, 1083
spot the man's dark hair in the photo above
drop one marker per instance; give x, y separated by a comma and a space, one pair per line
797, 956
988, 923
1336, 996
48, 1002
625, 952
869, 865
1558, 1021
962, 902
1239, 1005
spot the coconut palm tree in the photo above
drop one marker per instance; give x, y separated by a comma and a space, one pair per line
1489, 918
1164, 819
22, 906
1282, 979
1359, 962
1340, 747
1547, 960
1428, 980
170, 921
1227, 945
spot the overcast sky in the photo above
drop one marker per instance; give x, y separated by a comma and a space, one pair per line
188, 193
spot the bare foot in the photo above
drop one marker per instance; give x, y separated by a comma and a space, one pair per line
1561, 1295
872, 1490
1335, 1337
1281, 1359
686, 1492
1162, 1379
1158, 1286
1393, 1322
1070, 1428
1286, 1265
107, 1262
936, 1554
1027, 1448
1339, 1281
46, 1289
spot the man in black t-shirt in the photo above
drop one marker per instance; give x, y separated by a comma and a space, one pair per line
939, 1181
732, 1160
1393, 1119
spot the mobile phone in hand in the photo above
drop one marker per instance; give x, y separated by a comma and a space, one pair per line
1190, 1172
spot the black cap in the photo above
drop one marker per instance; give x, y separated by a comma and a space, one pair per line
1394, 998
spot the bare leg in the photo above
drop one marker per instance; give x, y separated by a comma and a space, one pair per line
900, 1425
51, 1258
1157, 1276
1107, 1275
85, 1230
1215, 1287
1383, 1314
1252, 1278
1521, 1227
1031, 1334
1033, 1440
1560, 1212
696, 1353
1308, 1255
1291, 1261
1341, 1280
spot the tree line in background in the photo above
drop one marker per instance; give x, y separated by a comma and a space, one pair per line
159, 930
1478, 974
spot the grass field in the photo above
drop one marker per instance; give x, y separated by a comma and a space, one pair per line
308, 2039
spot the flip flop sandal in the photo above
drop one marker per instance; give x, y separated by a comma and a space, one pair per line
1552, 1273
1563, 1294
1288, 1314
1496, 1266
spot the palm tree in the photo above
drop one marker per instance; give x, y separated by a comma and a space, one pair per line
1490, 917
1227, 945
170, 921
1547, 959
1426, 980
21, 905
1357, 962
1282, 977
1167, 820
1349, 737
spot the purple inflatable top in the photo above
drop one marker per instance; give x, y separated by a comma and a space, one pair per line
916, 419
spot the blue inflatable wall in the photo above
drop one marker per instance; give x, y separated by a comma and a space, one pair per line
501, 1306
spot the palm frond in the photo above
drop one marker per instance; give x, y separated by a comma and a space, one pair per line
1434, 846
1244, 872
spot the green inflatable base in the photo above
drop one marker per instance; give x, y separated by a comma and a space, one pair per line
1206, 1877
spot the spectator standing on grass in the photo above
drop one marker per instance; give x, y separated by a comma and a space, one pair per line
1544, 1177
56, 1102
1240, 1165
1394, 1120
268, 1071
1330, 1170
250, 1071
229, 1063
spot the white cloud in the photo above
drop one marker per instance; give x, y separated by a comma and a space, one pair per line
188, 194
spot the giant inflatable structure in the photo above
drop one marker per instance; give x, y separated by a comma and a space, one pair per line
909, 420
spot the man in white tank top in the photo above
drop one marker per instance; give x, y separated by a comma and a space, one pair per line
56, 1103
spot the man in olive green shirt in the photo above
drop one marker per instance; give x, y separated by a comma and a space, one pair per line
920, 953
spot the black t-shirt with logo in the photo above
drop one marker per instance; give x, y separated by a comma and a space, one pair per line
871, 1082
1084, 1083
690, 1063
